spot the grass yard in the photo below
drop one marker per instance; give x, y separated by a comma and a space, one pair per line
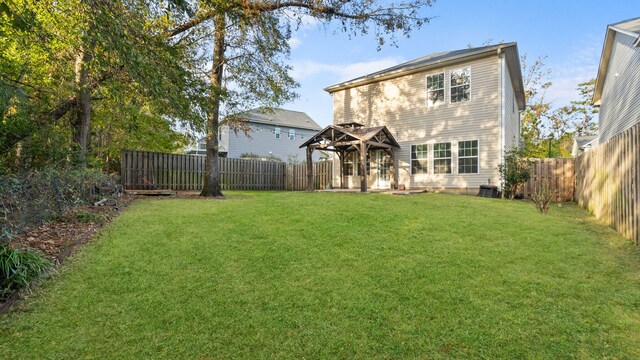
326, 275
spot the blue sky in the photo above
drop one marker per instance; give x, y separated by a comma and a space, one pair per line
569, 33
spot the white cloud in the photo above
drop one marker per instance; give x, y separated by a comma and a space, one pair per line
309, 22
581, 66
294, 42
341, 72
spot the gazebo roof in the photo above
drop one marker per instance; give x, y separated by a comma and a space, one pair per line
344, 137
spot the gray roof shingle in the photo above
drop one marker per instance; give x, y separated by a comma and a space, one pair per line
282, 117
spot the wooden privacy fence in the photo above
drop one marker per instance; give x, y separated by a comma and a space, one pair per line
607, 182
144, 170
559, 173
296, 176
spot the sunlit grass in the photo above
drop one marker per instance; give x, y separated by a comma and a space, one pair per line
324, 275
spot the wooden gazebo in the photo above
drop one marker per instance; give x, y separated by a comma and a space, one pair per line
347, 138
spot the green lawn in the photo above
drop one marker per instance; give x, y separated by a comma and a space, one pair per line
326, 275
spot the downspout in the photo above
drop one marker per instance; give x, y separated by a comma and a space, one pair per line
500, 110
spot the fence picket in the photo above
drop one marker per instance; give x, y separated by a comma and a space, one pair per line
559, 173
146, 170
607, 182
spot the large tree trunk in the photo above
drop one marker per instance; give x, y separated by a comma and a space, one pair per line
82, 124
211, 169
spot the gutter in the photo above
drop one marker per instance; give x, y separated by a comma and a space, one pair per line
501, 106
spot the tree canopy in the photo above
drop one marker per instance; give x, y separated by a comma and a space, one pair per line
548, 130
84, 74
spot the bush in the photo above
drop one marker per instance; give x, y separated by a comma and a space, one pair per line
18, 268
259, 157
542, 196
30, 199
514, 172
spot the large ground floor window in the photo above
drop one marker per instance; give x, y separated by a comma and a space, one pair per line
442, 158
419, 159
468, 157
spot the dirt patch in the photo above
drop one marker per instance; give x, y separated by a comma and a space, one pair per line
54, 238
59, 238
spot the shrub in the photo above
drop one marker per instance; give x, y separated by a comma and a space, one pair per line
514, 172
542, 196
30, 199
18, 268
259, 157
87, 217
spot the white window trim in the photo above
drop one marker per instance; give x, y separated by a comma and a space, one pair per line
292, 134
444, 88
470, 85
411, 159
465, 157
434, 158
277, 132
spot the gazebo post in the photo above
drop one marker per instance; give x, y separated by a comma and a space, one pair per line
363, 166
341, 159
309, 169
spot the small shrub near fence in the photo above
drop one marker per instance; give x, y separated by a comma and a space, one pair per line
28, 200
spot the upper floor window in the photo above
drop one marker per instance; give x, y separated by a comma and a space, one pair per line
460, 85
468, 157
442, 158
435, 89
276, 131
292, 134
419, 159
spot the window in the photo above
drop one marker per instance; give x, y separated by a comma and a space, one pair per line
419, 159
292, 134
468, 157
356, 155
435, 89
347, 165
442, 158
276, 131
460, 85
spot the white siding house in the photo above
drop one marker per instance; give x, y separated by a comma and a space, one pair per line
618, 82
271, 134
454, 115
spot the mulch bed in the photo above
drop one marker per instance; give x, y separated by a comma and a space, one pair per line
56, 240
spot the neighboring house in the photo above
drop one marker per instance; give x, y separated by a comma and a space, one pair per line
617, 89
271, 134
582, 144
454, 114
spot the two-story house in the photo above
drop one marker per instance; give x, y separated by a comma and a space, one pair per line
617, 89
273, 134
454, 115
